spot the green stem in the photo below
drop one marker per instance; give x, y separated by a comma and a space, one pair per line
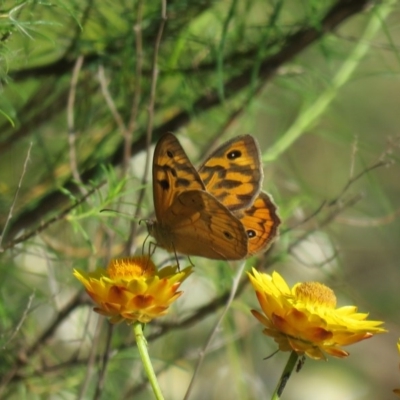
285, 376
309, 116
144, 355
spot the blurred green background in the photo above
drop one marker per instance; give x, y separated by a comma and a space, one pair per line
223, 69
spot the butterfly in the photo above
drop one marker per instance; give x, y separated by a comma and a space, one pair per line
217, 212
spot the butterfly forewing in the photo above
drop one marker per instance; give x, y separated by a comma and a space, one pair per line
233, 173
173, 173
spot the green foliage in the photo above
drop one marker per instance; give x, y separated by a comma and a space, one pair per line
308, 79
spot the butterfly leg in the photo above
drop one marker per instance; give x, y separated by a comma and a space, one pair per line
144, 243
191, 262
152, 248
150, 252
177, 261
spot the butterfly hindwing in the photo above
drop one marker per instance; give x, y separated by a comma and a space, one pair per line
203, 226
260, 222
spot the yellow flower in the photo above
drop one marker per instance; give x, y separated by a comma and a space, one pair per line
397, 391
305, 318
132, 289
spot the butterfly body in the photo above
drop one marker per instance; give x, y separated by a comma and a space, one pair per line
217, 212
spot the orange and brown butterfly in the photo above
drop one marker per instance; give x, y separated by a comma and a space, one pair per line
218, 212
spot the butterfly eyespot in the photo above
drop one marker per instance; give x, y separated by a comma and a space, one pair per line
251, 233
228, 235
170, 154
234, 154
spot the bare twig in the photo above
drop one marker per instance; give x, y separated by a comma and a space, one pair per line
198, 315
138, 89
379, 221
91, 361
380, 163
150, 123
105, 360
235, 285
52, 220
110, 102
21, 321
79, 252
339, 198
329, 218
71, 121
10, 212
25, 355
354, 149
129, 130
305, 220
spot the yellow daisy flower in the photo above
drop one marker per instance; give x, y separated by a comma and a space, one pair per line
305, 318
132, 289
397, 391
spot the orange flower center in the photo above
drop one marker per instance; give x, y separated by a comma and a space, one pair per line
315, 292
130, 268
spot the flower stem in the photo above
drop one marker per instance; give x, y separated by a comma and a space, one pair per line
285, 376
144, 355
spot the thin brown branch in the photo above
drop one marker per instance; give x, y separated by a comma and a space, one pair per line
367, 223
354, 150
138, 87
71, 121
91, 361
21, 321
149, 130
329, 218
110, 102
52, 220
14, 201
26, 354
339, 198
232, 294
104, 364
308, 218
380, 163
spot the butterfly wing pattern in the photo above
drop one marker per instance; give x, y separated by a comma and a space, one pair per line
260, 222
234, 175
189, 220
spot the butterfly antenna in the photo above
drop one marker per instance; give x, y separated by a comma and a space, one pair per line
152, 251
